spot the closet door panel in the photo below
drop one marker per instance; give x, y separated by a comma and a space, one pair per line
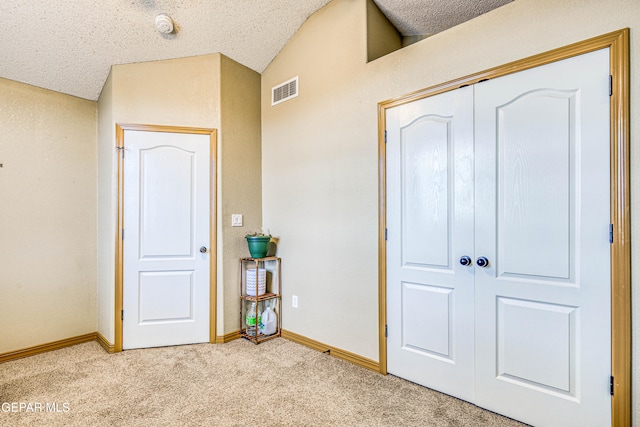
542, 325
430, 226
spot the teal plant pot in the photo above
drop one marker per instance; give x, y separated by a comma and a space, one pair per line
258, 246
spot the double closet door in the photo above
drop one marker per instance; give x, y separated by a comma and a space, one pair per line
498, 253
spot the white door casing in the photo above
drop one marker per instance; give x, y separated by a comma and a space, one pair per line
166, 222
533, 198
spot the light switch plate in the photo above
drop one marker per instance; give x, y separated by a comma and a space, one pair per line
236, 220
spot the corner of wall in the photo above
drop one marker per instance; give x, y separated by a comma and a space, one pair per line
382, 37
106, 212
240, 163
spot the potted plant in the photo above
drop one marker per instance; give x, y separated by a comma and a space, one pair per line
258, 244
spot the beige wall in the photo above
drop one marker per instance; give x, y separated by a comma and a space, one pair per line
182, 92
382, 37
320, 178
241, 179
47, 220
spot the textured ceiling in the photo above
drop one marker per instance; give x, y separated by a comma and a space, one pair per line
69, 45
428, 17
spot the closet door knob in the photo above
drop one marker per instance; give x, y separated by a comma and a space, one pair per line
465, 260
482, 262
203, 249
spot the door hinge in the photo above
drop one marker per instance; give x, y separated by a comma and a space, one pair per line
610, 85
122, 233
121, 149
611, 385
385, 234
121, 314
610, 233
385, 136
386, 331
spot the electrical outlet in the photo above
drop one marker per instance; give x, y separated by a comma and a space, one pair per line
236, 220
294, 301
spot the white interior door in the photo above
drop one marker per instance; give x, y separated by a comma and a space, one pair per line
543, 318
166, 223
532, 198
430, 216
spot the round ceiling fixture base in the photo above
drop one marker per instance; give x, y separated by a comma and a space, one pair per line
164, 24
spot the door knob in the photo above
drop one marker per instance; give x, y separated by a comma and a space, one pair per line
482, 262
203, 249
465, 260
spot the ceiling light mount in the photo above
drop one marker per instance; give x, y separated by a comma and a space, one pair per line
164, 23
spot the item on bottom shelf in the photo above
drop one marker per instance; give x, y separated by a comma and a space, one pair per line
251, 320
269, 322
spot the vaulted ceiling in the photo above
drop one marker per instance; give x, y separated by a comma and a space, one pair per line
69, 45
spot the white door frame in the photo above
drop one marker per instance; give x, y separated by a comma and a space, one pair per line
618, 44
119, 280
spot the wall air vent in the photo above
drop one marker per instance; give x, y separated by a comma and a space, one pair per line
285, 91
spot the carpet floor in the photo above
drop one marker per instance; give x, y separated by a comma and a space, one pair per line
277, 383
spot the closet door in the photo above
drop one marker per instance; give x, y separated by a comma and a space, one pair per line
430, 296
542, 314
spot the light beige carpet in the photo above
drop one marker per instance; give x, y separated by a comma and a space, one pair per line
277, 383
